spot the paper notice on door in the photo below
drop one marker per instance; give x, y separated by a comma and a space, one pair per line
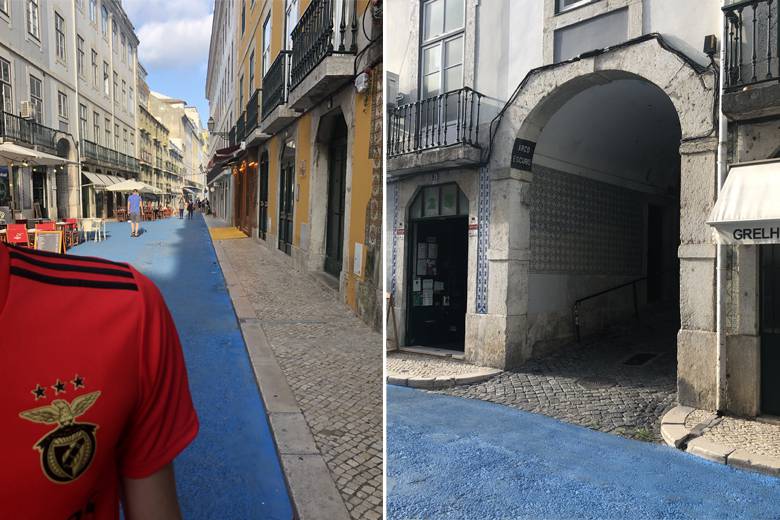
427, 299
427, 284
416, 286
433, 250
422, 267
422, 250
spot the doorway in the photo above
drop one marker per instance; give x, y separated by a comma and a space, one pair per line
769, 313
262, 214
39, 192
337, 180
438, 268
287, 198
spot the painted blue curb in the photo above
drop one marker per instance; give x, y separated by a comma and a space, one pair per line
232, 470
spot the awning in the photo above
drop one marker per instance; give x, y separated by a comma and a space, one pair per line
747, 210
95, 179
10, 152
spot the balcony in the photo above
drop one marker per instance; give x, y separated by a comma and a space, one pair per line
27, 131
276, 87
752, 68
252, 132
324, 41
232, 137
107, 158
440, 131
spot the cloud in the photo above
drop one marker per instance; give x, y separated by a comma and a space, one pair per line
142, 12
179, 43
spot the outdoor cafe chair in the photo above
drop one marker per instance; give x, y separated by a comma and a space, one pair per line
71, 231
46, 226
90, 225
17, 234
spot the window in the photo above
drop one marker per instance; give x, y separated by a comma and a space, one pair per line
266, 44
106, 80
124, 93
129, 53
62, 104
252, 71
114, 42
116, 87
83, 121
95, 68
96, 127
59, 30
124, 135
32, 19
4, 6
124, 48
131, 101
291, 19
93, 11
132, 145
565, 5
36, 96
243, 16
5, 86
241, 91
80, 4
104, 20
80, 57
108, 132
116, 137
442, 52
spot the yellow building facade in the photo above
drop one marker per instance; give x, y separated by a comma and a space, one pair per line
307, 172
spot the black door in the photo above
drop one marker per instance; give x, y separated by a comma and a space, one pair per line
39, 191
262, 216
437, 287
769, 306
286, 200
337, 180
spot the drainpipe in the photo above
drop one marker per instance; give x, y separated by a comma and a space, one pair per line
720, 272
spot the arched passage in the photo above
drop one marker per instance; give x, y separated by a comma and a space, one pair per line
658, 72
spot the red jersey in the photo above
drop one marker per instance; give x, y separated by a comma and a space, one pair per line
94, 384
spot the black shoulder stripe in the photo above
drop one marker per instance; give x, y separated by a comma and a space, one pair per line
71, 282
70, 267
36, 252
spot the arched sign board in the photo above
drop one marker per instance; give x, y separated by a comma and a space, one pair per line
49, 241
523, 154
747, 211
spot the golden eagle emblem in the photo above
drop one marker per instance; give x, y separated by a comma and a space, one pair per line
67, 451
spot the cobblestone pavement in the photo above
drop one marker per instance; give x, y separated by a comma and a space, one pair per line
407, 364
754, 436
333, 364
591, 386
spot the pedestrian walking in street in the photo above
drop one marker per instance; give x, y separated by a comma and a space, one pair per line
190, 210
97, 412
134, 212
181, 206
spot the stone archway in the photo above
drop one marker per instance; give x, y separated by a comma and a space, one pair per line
500, 333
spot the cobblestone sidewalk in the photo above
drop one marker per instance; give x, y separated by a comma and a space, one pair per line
756, 437
333, 364
591, 385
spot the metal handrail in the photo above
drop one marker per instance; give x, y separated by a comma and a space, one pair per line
576, 307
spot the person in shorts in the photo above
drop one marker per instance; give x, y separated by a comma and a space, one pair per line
134, 212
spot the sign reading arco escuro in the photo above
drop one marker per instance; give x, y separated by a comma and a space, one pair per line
523, 154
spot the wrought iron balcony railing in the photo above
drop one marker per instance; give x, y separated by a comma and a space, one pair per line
326, 27
276, 83
439, 121
752, 46
27, 131
250, 122
240, 127
108, 157
232, 136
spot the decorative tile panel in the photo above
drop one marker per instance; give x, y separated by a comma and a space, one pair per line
582, 226
394, 250
483, 234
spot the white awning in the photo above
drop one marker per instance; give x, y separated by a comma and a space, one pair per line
747, 210
11, 152
94, 179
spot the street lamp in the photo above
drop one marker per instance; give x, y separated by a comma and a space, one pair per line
210, 124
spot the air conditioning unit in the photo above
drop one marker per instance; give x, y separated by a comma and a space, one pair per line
28, 110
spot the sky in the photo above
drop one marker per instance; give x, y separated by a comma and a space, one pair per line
174, 46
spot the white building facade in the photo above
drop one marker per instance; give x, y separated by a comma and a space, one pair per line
552, 168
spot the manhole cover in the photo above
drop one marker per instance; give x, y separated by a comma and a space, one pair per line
640, 359
594, 382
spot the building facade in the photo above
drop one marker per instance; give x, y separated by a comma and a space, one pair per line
68, 80
552, 169
304, 147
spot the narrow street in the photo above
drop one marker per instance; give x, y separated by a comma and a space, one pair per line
451, 457
331, 361
232, 469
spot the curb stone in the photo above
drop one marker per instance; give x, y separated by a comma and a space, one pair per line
675, 434
441, 382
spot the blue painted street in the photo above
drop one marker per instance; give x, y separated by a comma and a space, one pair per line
232, 469
453, 458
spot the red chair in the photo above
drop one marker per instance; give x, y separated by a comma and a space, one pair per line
46, 226
17, 234
72, 231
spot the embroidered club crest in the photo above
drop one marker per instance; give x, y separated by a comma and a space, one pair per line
66, 451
